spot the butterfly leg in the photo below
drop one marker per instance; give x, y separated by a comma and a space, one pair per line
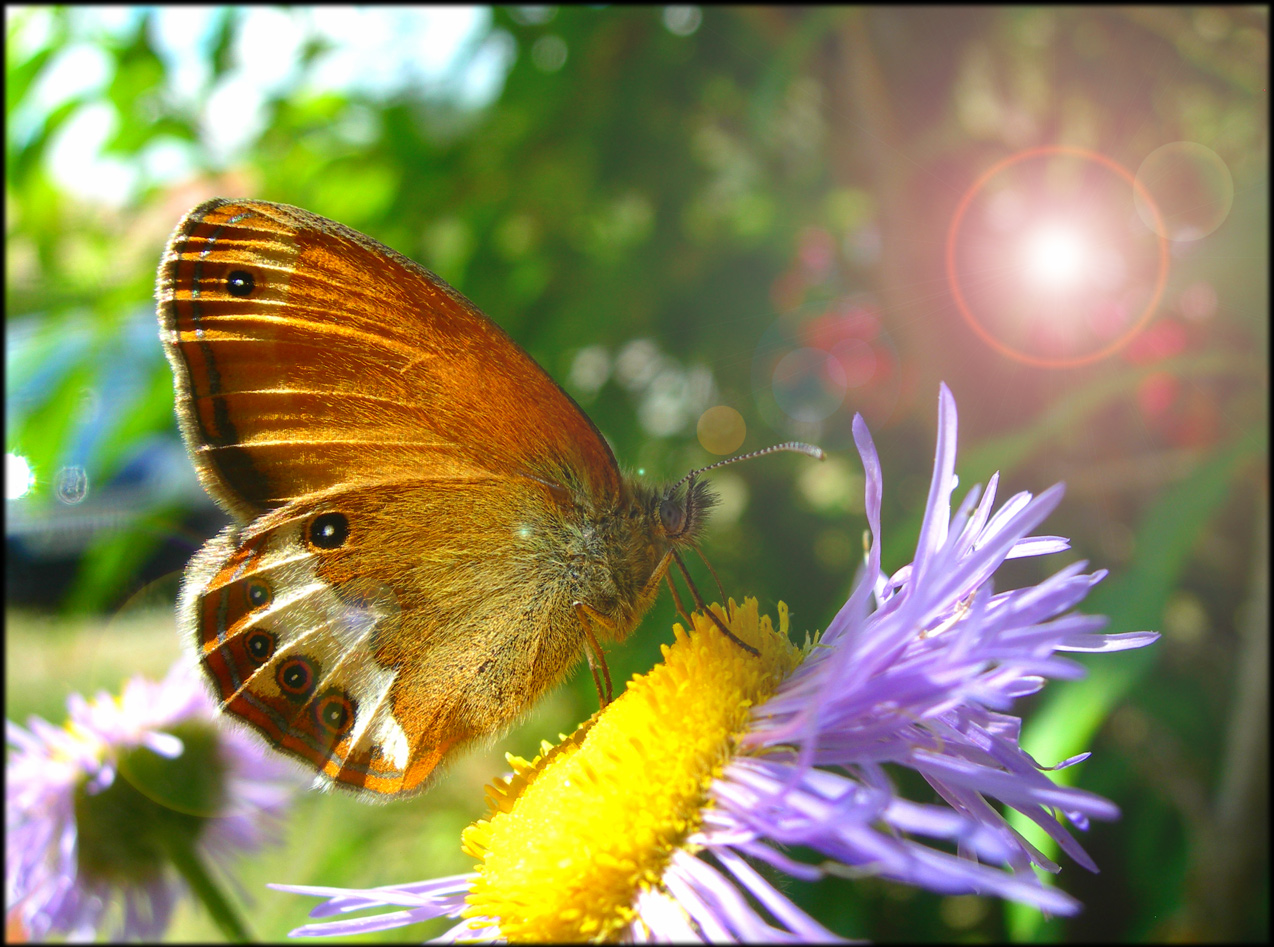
593, 651
715, 578
694, 592
681, 609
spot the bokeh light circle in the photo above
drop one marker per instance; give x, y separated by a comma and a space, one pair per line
71, 484
858, 360
814, 369
721, 430
1092, 284
808, 384
1191, 187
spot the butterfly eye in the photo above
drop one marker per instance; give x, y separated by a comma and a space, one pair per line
261, 647
334, 713
329, 531
240, 283
673, 516
296, 678
259, 594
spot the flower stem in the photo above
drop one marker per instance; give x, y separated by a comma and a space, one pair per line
208, 892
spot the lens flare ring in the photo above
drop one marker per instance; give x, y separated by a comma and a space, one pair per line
953, 277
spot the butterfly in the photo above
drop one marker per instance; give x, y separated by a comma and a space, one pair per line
428, 531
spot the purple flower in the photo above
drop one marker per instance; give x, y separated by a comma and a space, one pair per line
646, 823
98, 811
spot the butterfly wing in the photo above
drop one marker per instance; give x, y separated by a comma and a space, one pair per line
397, 466
299, 345
369, 662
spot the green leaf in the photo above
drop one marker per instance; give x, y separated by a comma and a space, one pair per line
110, 564
150, 412
18, 77
223, 44
24, 161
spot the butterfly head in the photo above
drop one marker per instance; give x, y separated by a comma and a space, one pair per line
681, 513
677, 516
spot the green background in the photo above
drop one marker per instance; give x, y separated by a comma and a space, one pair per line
678, 193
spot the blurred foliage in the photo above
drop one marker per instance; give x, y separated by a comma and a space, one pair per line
666, 195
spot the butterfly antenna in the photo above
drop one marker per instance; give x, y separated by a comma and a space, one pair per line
809, 450
685, 573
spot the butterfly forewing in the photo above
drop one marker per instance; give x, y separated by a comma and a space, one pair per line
307, 354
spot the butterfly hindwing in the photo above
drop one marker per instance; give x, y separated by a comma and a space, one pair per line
370, 665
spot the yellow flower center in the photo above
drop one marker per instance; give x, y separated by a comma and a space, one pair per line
575, 834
